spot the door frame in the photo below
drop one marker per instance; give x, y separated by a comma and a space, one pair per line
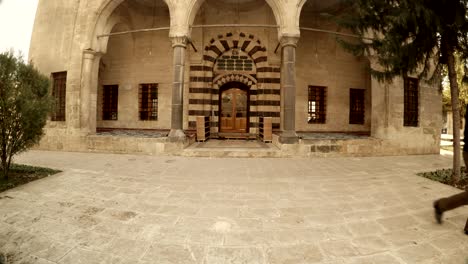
238, 85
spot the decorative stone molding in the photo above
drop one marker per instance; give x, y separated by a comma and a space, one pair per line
289, 41
234, 77
89, 54
180, 41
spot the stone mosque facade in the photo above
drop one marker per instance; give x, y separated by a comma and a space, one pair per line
152, 67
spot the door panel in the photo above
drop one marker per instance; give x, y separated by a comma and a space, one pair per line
226, 111
234, 108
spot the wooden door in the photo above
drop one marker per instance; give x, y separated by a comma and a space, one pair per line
234, 107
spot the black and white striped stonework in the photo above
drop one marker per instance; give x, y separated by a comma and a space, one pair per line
262, 79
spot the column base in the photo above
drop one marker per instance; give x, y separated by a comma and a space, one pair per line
288, 137
176, 135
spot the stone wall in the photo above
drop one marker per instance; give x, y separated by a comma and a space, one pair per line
52, 39
134, 59
388, 115
65, 31
321, 61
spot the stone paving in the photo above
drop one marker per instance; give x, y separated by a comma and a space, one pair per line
134, 133
107, 208
337, 136
232, 144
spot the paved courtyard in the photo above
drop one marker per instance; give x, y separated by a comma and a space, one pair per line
106, 208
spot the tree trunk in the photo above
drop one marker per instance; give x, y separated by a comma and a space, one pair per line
4, 159
456, 113
4, 168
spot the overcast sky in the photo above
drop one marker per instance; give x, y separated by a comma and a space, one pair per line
16, 24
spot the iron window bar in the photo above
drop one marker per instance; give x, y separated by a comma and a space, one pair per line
317, 104
411, 102
110, 101
356, 106
59, 93
148, 101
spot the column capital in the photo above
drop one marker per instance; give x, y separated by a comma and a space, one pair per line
179, 41
289, 41
91, 54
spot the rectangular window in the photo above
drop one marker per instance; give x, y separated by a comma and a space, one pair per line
356, 106
110, 102
148, 98
317, 104
411, 102
59, 88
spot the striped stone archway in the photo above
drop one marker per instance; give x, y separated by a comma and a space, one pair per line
246, 79
263, 80
233, 77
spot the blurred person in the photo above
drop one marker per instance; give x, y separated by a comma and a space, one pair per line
452, 202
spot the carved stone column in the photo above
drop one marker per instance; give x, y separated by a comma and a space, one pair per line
288, 84
179, 45
88, 95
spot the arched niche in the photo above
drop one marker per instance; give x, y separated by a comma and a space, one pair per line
134, 60
235, 12
322, 62
109, 15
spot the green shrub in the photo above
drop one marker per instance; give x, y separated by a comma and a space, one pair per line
25, 103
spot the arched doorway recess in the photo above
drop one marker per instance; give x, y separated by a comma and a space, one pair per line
234, 105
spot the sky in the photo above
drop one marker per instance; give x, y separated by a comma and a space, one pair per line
16, 24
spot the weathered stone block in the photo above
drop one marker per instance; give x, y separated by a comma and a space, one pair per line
323, 149
335, 148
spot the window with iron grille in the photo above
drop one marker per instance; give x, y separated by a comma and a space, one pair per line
356, 106
110, 101
59, 82
148, 98
317, 104
411, 102
234, 63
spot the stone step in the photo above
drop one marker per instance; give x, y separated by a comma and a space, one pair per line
232, 153
232, 149
224, 135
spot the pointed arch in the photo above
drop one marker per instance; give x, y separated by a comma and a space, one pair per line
245, 42
111, 23
299, 11
195, 5
105, 23
234, 77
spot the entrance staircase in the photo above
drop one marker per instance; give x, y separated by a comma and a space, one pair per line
246, 136
309, 145
244, 146
215, 148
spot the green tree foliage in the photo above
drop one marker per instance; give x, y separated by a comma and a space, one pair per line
412, 37
461, 69
24, 105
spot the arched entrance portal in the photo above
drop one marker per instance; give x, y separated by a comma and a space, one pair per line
234, 108
235, 58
